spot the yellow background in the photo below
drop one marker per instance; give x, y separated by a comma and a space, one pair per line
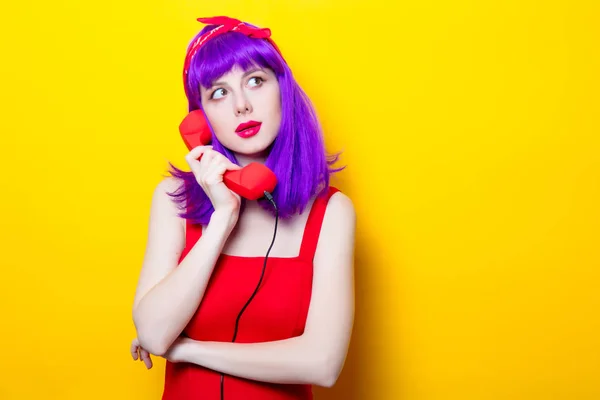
470, 131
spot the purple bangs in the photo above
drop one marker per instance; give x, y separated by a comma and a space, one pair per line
218, 56
297, 156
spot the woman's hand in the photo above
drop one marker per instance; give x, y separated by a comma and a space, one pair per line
137, 352
208, 166
174, 354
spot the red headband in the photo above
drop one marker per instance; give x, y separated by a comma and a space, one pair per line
225, 24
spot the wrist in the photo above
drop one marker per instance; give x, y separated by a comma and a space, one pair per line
190, 349
224, 218
187, 347
180, 351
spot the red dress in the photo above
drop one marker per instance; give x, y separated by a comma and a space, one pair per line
278, 311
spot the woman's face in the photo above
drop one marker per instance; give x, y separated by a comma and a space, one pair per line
244, 109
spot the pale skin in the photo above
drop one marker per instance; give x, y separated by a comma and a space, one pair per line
167, 295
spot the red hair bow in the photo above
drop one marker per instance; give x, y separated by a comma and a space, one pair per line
227, 24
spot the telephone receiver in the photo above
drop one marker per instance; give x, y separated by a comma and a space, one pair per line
250, 182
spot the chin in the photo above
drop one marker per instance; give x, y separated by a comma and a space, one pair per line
253, 148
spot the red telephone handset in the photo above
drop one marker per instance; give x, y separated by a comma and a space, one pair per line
250, 182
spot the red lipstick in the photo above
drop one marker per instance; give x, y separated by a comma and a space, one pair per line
248, 129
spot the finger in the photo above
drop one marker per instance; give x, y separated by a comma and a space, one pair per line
198, 167
134, 348
207, 158
222, 158
146, 357
215, 172
205, 164
196, 153
231, 165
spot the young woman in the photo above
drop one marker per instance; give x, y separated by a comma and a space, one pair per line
206, 253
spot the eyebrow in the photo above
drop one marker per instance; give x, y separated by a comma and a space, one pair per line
250, 71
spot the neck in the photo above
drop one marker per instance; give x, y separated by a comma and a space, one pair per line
244, 159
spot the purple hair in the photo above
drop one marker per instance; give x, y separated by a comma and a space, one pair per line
297, 155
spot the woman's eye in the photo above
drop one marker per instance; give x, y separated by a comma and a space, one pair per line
215, 94
255, 81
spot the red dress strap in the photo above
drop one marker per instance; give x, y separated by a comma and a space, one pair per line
313, 225
310, 238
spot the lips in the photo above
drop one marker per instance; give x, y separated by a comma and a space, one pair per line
248, 129
246, 125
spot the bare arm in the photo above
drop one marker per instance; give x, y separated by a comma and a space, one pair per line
167, 295
316, 357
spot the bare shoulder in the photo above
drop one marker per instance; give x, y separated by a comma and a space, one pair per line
168, 184
338, 228
335, 247
163, 189
340, 211
164, 206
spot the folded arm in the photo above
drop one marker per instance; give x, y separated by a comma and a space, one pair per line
168, 294
318, 355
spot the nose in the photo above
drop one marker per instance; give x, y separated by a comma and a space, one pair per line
242, 105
